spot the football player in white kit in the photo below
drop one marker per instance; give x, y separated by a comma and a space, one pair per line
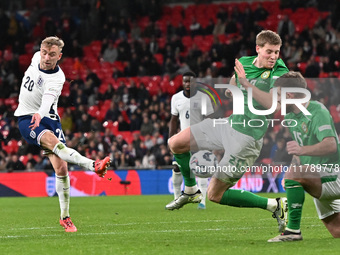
39, 122
185, 111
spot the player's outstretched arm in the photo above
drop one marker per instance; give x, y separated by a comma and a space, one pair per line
326, 147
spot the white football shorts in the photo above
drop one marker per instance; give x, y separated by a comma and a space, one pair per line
241, 150
329, 201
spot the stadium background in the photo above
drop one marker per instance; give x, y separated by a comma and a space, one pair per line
123, 61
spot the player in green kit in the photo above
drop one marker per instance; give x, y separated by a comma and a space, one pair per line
263, 79
241, 143
315, 165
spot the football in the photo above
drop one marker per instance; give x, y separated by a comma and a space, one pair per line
203, 163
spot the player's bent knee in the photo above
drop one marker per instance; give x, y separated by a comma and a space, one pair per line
336, 234
334, 230
290, 175
302, 181
49, 140
332, 223
175, 145
61, 171
60, 168
171, 143
299, 180
214, 196
216, 189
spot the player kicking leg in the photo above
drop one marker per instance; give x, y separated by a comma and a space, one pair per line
59, 158
59, 154
219, 187
63, 189
62, 180
40, 124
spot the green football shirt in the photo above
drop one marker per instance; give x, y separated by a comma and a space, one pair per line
263, 79
312, 129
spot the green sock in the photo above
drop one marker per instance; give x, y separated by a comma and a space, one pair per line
296, 198
183, 162
242, 198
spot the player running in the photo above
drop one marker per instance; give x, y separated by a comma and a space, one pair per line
186, 109
40, 125
315, 165
242, 143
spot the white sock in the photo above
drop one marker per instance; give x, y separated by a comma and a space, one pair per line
177, 179
190, 190
63, 191
72, 156
202, 184
297, 231
271, 204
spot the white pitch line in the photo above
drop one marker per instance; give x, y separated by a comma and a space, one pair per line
150, 223
133, 223
137, 232
119, 233
31, 228
140, 232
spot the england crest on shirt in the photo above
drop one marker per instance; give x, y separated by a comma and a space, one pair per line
40, 81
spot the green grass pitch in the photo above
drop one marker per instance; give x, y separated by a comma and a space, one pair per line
140, 225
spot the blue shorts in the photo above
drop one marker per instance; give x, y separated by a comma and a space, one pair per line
46, 125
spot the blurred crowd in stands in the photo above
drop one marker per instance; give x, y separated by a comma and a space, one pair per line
123, 65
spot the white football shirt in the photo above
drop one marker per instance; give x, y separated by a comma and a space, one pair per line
35, 84
189, 110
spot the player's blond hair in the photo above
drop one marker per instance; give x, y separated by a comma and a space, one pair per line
53, 40
268, 36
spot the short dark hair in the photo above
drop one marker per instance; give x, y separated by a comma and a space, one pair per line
189, 73
292, 80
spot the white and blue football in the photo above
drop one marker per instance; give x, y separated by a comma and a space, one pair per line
203, 163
